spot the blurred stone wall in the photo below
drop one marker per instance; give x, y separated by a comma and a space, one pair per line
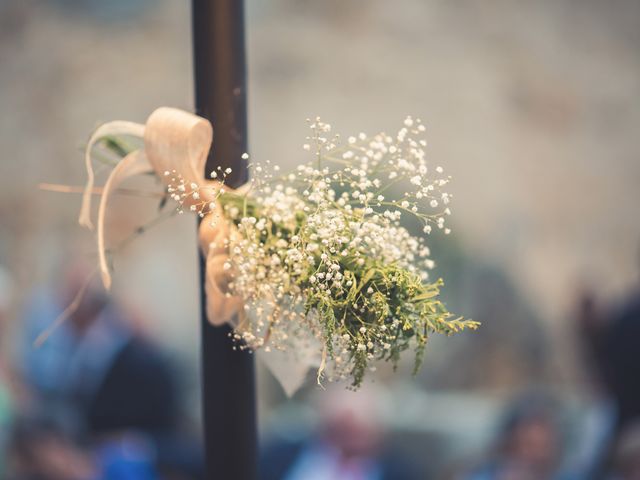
533, 107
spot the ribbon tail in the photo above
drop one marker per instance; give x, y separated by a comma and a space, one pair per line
221, 307
111, 128
133, 164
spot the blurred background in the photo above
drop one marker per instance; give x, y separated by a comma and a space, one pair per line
532, 107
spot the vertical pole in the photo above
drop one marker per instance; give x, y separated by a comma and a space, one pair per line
228, 385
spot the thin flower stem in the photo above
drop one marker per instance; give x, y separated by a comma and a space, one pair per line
77, 299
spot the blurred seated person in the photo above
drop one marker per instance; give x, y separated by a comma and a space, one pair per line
626, 457
107, 375
347, 446
39, 452
110, 383
528, 446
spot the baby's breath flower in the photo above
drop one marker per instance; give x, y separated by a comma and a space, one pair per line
321, 253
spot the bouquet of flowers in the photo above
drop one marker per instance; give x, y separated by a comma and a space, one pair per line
322, 256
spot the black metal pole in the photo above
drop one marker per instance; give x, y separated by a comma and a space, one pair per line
228, 384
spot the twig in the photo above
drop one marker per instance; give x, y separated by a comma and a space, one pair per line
56, 187
75, 303
66, 313
323, 364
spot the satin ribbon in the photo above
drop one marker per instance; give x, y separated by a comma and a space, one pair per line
174, 141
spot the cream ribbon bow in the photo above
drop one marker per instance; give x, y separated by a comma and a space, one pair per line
174, 140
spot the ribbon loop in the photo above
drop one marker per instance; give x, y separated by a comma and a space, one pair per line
178, 142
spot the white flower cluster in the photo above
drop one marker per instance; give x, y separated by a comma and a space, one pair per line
324, 252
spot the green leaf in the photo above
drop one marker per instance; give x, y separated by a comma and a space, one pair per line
366, 277
425, 296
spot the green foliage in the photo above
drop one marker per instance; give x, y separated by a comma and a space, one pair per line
386, 310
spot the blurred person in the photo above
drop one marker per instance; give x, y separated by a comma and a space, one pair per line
591, 320
104, 384
44, 368
99, 372
620, 360
6, 380
348, 444
38, 452
528, 446
610, 338
626, 458
598, 425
